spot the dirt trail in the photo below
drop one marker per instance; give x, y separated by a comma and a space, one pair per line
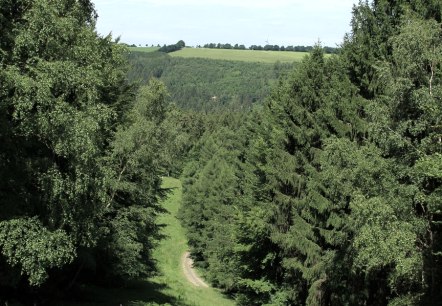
190, 272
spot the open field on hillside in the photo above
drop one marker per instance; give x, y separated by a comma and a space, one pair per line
241, 55
144, 49
232, 55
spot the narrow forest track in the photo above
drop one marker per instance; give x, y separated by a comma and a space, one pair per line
177, 278
189, 271
176, 282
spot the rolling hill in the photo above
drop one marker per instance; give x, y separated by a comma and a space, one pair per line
255, 56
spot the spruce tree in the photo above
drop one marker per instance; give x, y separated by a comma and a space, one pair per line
316, 103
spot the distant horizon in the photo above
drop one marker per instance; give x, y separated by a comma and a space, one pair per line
202, 45
247, 22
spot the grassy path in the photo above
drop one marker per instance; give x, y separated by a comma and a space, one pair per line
170, 287
190, 273
169, 256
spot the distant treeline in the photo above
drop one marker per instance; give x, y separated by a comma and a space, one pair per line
181, 44
172, 48
268, 47
224, 46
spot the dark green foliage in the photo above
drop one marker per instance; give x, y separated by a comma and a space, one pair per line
326, 194
328, 50
81, 156
182, 130
227, 231
134, 167
207, 85
316, 104
283, 232
172, 48
335, 181
58, 117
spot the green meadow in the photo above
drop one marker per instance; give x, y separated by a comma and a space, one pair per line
240, 55
143, 49
269, 57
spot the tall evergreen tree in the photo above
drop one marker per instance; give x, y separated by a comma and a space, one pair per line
308, 108
226, 229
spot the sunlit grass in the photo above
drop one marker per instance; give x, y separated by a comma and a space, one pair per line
241, 55
253, 56
144, 49
169, 255
169, 287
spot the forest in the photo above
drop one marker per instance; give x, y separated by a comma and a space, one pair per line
317, 183
208, 86
269, 48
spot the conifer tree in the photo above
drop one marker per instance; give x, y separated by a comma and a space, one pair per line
338, 182
314, 104
226, 228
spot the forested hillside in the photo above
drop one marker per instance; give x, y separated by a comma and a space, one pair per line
208, 85
330, 194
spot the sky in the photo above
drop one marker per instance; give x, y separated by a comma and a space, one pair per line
248, 22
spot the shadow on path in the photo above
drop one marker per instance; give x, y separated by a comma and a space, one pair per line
136, 293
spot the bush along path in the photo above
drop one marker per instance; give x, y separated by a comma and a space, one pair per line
174, 265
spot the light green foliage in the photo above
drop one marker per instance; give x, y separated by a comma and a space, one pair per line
417, 50
143, 49
30, 246
268, 57
420, 90
405, 126
383, 239
134, 167
80, 167
136, 150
